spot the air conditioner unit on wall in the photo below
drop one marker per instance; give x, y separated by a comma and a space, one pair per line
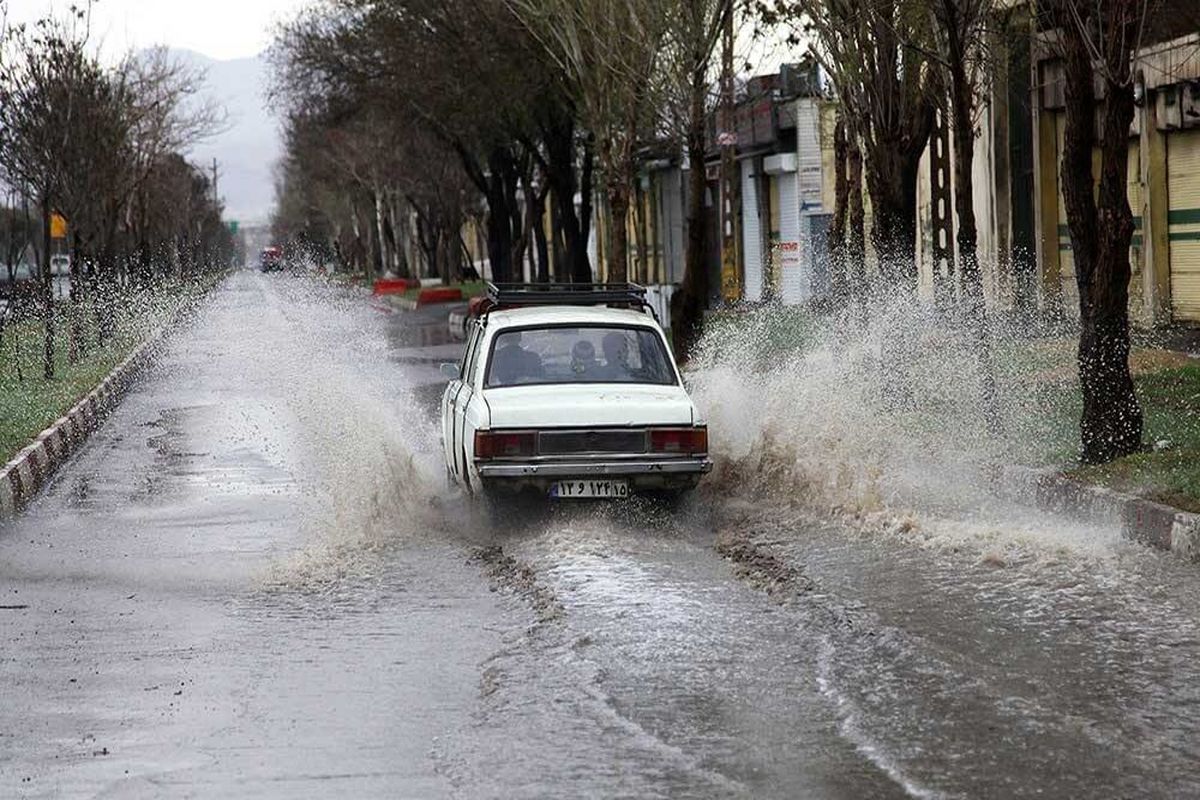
1168, 108
1189, 104
1053, 85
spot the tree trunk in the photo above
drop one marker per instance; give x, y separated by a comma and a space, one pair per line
384, 260
499, 246
856, 237
516, 217
1101, 229
47, 294
642, 272
541, 245
356, 229
569, 225
836, 241
618, 231
388, 234
581, 269
892, 184
74, 329
691, 299
558, 246
501, 196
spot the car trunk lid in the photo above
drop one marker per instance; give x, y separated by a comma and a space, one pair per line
588, 406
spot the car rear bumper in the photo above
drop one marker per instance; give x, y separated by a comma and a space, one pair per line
642, 474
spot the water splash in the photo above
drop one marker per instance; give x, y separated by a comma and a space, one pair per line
884, 421
371, 458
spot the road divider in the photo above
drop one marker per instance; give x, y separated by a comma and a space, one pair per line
386, 286
426, 297
446, 294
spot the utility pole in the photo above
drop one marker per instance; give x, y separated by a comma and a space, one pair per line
216, 194
731, 278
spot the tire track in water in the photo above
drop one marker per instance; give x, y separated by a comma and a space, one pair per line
643, 652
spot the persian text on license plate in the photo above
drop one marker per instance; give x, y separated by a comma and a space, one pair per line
590, 489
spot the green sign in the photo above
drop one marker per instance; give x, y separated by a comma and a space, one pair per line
233, 226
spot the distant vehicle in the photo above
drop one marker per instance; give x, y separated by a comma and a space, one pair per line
271, 259
60, 266
570, 392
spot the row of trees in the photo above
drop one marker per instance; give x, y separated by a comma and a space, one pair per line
103, 148
894, 64
506, 110
440, 110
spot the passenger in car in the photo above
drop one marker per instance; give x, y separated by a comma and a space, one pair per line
583, 360
513, 363
616, 358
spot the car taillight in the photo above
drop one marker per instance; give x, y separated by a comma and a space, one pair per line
689, 441
493, 444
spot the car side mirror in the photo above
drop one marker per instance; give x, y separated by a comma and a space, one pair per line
451, 371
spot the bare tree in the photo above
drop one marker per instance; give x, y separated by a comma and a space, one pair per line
469, 73
693, 32
38, 89
962, 30
1098, 40
166, 116
608, 52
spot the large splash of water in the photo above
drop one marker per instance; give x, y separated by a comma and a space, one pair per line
881, 414
369, 455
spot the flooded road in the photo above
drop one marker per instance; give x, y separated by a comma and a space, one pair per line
252, 582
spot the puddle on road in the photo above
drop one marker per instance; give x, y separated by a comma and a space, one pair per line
662, 676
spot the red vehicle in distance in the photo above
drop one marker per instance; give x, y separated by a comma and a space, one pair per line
271, 259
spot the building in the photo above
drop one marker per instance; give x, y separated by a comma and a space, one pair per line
781, 127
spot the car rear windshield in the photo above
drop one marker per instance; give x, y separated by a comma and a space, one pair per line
586, 354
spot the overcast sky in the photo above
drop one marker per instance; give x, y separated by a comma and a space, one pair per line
221, 29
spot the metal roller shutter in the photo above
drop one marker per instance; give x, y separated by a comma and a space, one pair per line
793, 274
751, 234
1183, 220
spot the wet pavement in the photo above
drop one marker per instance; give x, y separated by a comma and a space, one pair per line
253, 582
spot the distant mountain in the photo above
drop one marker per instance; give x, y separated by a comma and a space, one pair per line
247, 151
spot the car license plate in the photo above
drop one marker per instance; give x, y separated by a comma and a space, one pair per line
590, 489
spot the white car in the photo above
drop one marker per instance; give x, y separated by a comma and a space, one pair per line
569, 392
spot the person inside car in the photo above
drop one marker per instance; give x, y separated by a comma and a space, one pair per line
583, 360
616, 358
513, 363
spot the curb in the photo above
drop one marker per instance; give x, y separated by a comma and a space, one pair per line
1143, 521
31, 469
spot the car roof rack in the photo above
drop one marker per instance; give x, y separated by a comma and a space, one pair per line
519, 295
569, 294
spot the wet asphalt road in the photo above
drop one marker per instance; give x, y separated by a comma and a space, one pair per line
252, 582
